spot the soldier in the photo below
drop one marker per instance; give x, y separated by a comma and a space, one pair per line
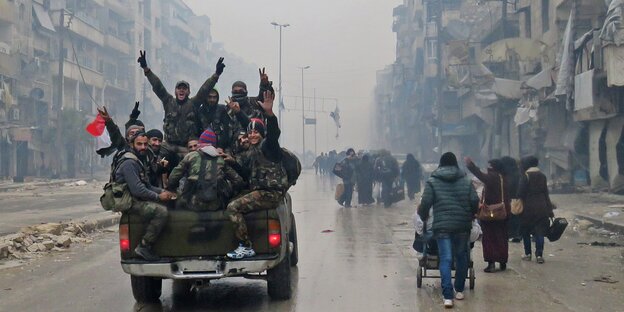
241, 107
180, 121
192, 145
214, 116
156, 163
261, 167
218, 184
131, 170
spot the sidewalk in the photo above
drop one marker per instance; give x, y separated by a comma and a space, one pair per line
602, 209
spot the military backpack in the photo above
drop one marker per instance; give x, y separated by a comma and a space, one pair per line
116, 195
291, 165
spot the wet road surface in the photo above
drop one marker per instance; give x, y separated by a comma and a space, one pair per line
364, 263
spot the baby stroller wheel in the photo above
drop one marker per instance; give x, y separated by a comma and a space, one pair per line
419, 276
471, 276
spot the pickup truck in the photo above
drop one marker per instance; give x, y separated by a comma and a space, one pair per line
193, 245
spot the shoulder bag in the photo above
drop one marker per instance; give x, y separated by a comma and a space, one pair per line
493, 212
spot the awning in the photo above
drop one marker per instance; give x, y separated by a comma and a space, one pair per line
542, 80
525, 49
507, 88
612, 29
584, 90
43, 18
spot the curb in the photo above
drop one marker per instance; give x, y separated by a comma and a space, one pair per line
7, 188
610, 226
90, 225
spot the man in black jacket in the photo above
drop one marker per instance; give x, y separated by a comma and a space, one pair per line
455, 202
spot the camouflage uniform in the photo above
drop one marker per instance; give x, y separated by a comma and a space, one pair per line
249, 108
227, 181
132, 171
262, 168
181, 120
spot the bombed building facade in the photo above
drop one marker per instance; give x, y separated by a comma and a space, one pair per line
493, 78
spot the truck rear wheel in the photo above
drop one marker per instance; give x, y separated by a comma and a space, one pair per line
145, 288
292, 237
278, 281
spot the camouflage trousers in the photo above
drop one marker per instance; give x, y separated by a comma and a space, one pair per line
253, 201
154, 214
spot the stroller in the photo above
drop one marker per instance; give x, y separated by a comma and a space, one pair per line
428, 246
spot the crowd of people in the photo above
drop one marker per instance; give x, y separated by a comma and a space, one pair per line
371, 172
450, 199
211, 156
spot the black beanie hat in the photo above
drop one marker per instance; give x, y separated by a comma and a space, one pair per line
134, 122
448, 159
239, 84
154, 133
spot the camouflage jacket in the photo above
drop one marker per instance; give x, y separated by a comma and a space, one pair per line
250, 109
216, 118
261, 165
181, 120
228, 180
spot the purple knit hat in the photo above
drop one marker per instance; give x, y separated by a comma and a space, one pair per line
208, 137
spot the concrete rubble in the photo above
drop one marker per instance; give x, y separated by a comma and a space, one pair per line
47, 237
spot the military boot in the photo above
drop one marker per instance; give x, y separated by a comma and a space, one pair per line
146, 252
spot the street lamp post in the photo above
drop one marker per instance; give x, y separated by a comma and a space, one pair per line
281, 98
303, 115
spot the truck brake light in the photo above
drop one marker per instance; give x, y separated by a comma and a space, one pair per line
275, 235
124, 238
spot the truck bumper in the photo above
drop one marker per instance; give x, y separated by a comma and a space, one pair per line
199, 268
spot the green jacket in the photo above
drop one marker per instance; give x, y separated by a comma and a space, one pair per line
228, 181
453, 198
181, 119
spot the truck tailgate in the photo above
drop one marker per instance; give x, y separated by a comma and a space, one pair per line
193, 234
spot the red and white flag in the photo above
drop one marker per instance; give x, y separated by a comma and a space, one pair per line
97, 128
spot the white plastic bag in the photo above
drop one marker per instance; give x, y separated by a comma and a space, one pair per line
475, 232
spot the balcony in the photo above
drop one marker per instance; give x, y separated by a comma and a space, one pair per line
117, 44
92, 77
8, 12
122, 7
450, 15
87, 30
431, 30
9, 64
180, 24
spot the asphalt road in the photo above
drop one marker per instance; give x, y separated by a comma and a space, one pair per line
48, 204
364, 263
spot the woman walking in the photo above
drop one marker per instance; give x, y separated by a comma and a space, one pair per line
411, 173
495, 243
534, 220
364, 175
513, 178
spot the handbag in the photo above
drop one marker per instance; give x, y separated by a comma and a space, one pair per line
493, 212
517, 206
557, 226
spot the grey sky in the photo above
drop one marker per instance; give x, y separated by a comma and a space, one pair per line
343, 41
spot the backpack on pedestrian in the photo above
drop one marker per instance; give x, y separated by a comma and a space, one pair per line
291, 165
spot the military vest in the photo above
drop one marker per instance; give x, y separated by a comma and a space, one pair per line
265, 174
180, 122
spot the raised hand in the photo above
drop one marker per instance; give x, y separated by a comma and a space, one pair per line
104, 113
264, 78
220, 66
267, 104
142, 60
232, 105
135, 111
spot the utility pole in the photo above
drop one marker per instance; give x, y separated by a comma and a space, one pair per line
315, 122
303, 115
279, 88
60, 93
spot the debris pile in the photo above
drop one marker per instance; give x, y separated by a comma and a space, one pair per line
43, 238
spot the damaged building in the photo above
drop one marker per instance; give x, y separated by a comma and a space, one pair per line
495, 78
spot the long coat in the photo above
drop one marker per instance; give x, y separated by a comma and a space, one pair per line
533, 191
492, 186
